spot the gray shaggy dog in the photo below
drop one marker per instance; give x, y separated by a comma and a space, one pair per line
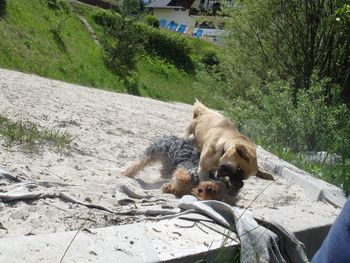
179, 159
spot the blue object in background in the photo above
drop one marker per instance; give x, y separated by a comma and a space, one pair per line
336, 247
198, 33
182, 28
172, 26
162, 23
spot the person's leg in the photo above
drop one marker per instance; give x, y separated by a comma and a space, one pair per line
336, 247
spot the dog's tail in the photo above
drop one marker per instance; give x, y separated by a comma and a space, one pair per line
133, 170
199, 109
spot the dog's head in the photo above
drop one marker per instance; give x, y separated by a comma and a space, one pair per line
239, 162
210, 190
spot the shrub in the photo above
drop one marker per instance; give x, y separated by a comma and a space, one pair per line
2, 8
291, 37
106, 18
173, 47
131, 7
59, 5
308, 124
151, 21
122, 41
209, 57
309, 120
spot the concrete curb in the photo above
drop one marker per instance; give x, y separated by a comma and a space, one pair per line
315, 189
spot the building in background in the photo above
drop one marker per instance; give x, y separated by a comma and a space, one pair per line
199, 18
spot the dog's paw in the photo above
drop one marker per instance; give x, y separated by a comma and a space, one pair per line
167, 188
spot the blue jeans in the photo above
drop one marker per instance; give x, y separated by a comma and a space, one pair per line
336, 247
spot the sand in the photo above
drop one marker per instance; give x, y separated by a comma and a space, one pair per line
111, 130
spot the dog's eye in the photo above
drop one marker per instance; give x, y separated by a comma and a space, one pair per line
209, 190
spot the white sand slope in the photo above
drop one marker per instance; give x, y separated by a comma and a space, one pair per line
111, 130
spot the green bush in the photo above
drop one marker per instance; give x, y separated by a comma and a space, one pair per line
59, 5
2, 8
106, 18
131, 7
209, 57
122, 41
309, 123
309, 120
291, 37
173, 47
151, 21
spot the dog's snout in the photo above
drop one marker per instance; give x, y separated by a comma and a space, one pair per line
225, 170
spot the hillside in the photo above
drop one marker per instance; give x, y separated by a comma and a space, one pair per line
56, 44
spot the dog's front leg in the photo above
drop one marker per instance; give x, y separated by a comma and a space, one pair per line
207, 163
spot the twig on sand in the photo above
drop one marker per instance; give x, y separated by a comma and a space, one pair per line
73, 200
16, 195
70, 243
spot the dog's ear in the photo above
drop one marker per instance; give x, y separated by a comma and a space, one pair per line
242, 152
264, 175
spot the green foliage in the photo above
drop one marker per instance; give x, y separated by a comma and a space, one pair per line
59, 5
122, 42
284, 75
105, 18
157, 78
131, 7
151, 21
309, 124
210, 57
278, 122
2, 8
122, 33
173, 47
57, 30
292, 38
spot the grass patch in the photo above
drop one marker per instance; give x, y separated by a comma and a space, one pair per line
52, 45
337, 173
31, 137
161, 80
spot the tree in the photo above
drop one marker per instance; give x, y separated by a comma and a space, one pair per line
131, 7
291, 37
122, 43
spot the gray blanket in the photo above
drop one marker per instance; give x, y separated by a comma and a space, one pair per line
261, 241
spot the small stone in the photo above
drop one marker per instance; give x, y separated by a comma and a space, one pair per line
77, 167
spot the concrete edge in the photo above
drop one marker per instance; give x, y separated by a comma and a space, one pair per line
316, 189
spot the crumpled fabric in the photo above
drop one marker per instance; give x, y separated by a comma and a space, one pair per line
261, 241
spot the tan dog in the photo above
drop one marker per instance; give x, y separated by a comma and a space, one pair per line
222, 146
179, 159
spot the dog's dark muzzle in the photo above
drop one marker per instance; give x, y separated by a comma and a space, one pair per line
235, 177
225, 170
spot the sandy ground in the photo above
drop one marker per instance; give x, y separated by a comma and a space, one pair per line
111, 131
